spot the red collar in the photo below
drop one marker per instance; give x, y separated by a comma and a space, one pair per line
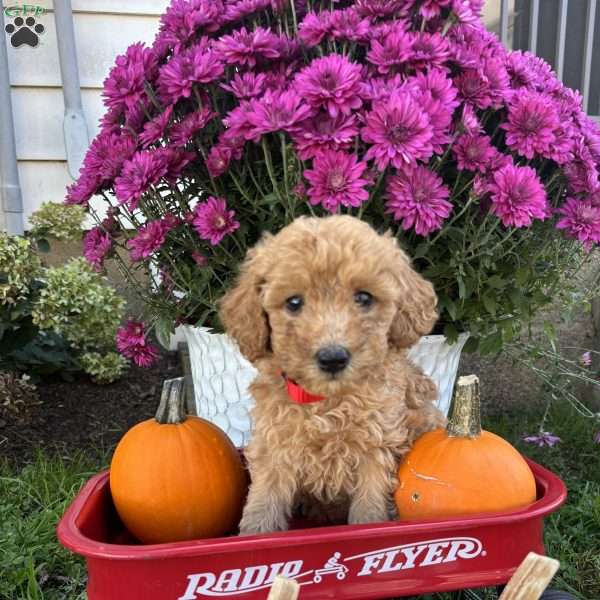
298, 394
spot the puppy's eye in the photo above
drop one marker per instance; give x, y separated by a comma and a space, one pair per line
363, 299
294, 303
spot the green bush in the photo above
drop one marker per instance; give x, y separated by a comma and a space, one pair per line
57, 221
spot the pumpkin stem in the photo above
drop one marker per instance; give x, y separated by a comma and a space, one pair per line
171, 409
465, 419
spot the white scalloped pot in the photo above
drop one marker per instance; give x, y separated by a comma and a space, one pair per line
222, 375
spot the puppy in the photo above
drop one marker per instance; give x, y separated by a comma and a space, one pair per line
328, 307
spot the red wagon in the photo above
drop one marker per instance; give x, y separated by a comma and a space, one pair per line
342, 562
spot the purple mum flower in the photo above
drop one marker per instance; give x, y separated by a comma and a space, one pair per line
428, 50
196, 65
277, 111
473, 152
106, 155
433, 8
238, 124
517, 196
324, 133
246, 86
347, 24
82, 190
418, 197
218, 160
245, 47
132, 343
581, 220
124, 86
543, 438
581, 172
399, 132
213, 221
182, 132
380, 8
393, 52
96, 245
314, 27
532, 119
155, 129
240, 10
474, 87
439, 86
337, 179
331, 82
470, 122
149, 239
143, 169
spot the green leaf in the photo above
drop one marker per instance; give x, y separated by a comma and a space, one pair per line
451, 332
495, 281
462, 290
472, 345
43, 245
490, 304
491, 344
421, 250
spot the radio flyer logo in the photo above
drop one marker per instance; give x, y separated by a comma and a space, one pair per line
235, 581
24, 28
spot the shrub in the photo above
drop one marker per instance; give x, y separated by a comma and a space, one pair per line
54, 220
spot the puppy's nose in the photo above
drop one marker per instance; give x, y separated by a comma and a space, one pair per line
332, 359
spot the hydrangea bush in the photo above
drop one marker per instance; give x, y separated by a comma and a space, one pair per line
57, 221
245, 114
57, 319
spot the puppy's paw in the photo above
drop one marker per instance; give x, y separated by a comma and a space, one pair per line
256, 524
359, 515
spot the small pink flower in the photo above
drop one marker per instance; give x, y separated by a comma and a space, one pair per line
544, 438
150, 238
213, 221
96, 245
200, 259
132, 343
586, 359
597, 438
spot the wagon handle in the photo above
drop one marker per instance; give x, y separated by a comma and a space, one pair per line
531, 578
284, 589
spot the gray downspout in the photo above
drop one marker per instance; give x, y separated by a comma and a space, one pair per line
74, 126
11, 207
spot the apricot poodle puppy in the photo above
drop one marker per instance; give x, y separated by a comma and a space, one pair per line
332, 306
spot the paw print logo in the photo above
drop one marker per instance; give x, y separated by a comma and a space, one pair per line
24, 31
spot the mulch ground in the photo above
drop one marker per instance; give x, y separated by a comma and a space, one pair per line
80, 415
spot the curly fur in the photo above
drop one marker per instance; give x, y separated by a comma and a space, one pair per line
340, 454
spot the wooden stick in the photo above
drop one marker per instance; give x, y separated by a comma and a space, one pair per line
531, 578
284, 589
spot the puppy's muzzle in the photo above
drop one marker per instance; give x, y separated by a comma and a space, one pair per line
332, 359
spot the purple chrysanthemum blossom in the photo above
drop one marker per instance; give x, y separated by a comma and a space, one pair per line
183, 20
380, 8
175, 160
418, 198
581, 220
82, 190
582, 173
399, 132
143, 169
473, 152
464, 13
433, 8
498, 81
132, 343
124, 86
198, 65
437, 83
218, 159
331, 82
393, 52
473, 86
380, 88
470, 123
277, 111
149, 239
543, 438
314, 27
96, 245
428, 50
238, 124
181, 133
591, 133
532, 119
200, 259
245, 47
347, 24
244, 8
440, 119
213, 220
336, 179
246, 86
519, 71
155, 129
324, 133
517, 196
106, 155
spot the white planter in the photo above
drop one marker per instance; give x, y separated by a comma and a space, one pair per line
222, 375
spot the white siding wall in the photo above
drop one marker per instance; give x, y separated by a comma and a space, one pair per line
103, 29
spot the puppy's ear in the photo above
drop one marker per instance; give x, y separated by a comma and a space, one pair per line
416, 302
241, 311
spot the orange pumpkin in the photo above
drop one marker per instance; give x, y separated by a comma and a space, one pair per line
177, 478
462, 470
